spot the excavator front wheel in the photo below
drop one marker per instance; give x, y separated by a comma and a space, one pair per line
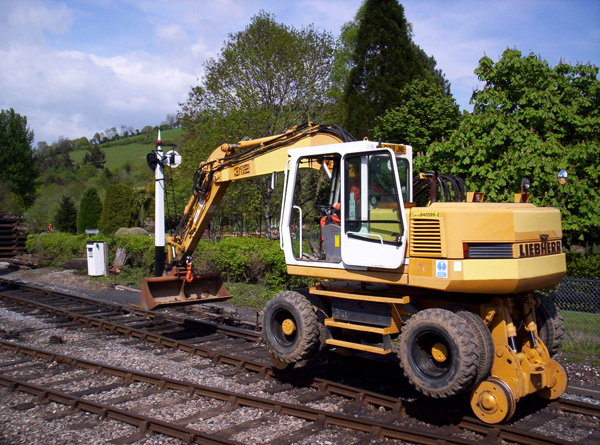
290, 328
493, 401
559, 385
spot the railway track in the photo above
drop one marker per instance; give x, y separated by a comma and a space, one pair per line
363, 413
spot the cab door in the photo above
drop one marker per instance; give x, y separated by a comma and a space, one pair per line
373, 221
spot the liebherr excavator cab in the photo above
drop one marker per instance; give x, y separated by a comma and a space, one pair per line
448, 287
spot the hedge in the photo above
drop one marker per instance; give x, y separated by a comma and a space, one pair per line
241, 260
583, 266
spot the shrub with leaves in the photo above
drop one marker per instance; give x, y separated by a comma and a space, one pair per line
119, 209
532, 120
65, 219
57, 248
90, 209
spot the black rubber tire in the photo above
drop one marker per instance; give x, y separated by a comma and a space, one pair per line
301, 344
550, 324
456, 374
323, 312
485, 343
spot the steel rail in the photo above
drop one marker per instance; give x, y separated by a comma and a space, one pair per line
321, 417
265, 370
229, 330
323, 385
144, 423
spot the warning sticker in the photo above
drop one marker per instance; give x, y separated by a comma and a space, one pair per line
441, 269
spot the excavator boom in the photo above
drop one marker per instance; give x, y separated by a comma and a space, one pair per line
246, 159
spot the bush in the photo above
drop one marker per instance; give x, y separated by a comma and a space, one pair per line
140, 250
118, 210
57, 248
247, 260
90, 209
240, 260
66, 216
583, 266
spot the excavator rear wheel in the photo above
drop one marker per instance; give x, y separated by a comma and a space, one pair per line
550, 325
483, 338
291, 328
438, 352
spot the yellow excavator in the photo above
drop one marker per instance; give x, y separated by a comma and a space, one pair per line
448, 286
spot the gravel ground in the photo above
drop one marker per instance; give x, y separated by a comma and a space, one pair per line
32, 426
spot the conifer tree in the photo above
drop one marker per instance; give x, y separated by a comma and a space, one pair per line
90, 209
66, 216
385, 60
17, 169
118, 210
95, 156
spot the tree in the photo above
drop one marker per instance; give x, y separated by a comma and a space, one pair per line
118, 210
90, 209
95, 156
63, 145
82, 143
65, 219
532, 120
384, 61
267, 78
171, 121
424, 116
18, 172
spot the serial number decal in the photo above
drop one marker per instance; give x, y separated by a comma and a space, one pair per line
240, 170
426, 215
538, 249
399, 149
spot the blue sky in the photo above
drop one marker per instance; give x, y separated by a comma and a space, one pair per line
76, 67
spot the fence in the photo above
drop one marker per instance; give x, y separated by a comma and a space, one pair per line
578, 300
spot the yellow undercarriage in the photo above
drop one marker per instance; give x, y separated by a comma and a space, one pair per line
521, 365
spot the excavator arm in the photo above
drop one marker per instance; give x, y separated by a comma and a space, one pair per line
249, 158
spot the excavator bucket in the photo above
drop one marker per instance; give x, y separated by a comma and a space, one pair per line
175, 290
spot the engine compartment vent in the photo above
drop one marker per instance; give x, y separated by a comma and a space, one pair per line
426, 237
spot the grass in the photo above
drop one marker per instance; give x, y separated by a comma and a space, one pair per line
133, 149
582, 340
254, 296
586, 324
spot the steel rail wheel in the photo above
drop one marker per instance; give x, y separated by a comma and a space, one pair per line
559, 384
291, 329
493, 401
438, 353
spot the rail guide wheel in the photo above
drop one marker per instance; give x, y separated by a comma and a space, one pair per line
493, 401
561, 380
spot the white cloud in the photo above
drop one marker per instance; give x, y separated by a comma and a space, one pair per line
77, 67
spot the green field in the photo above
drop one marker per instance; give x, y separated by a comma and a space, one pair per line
120, 152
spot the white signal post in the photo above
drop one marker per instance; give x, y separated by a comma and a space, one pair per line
159, 211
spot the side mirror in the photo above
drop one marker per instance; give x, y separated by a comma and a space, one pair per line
562, 177
525, 186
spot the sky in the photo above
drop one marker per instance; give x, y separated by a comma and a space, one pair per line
77, 67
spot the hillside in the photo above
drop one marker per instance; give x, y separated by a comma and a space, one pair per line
132, 149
